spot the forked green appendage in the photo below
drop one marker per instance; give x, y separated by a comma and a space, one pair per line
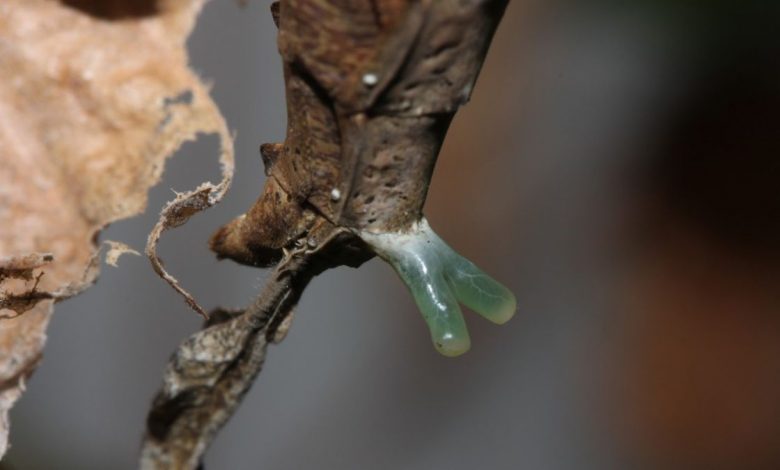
480, 292
424, 274
438, 278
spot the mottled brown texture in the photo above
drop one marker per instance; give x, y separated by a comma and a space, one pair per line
88, 114
372, 87
212, 370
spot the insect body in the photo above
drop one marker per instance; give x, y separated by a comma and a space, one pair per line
371, 91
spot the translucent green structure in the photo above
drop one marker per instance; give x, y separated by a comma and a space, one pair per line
438, 279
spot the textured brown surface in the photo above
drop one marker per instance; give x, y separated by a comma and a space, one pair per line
371, 90
90, 107
361, 144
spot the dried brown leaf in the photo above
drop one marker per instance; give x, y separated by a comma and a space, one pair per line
94, 95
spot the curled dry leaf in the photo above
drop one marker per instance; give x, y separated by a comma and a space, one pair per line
94, 95
116, 250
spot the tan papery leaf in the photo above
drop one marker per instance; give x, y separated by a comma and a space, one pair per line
94, 96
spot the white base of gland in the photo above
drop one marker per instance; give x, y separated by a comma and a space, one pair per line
438, 279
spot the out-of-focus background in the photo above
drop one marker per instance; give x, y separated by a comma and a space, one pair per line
617, 168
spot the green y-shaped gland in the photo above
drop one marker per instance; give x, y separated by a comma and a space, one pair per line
438, 279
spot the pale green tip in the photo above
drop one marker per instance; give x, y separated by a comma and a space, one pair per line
438, 279
478, 291
424, 275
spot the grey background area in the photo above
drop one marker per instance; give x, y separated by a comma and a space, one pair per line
357, 383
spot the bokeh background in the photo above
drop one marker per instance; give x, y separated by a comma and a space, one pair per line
617, 168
